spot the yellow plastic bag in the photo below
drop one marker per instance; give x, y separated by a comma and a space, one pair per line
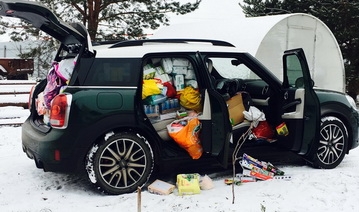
190, 98
187, 136
150, 88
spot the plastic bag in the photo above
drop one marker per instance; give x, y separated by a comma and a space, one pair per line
190, 99
150, 88
155, 99
53, 86
65, 68
254, 115
171, 91
263, 131
187, 136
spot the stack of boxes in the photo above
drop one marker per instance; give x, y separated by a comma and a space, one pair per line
176, 73
254, 170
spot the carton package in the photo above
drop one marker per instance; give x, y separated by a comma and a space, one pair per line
261, 174
250, 162
169, 106
179, 82
162, 78
180, 70
161, 187
259, 169
190, 74
166, 116
155, 99
152, 112
161, 75
159, 70
188, 184
258, 173
167, 65
247, 179
235, 109
148, 72
180, 62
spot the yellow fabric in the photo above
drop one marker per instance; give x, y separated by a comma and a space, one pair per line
190, 99
150, 88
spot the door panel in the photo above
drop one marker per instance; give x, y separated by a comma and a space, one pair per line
293, 113
307, 109
216, 128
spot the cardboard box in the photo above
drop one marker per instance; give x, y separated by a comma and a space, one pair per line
247, 179
235, 109
161, 187
258, 173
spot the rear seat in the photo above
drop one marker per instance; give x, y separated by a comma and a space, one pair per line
161, 128
238, 129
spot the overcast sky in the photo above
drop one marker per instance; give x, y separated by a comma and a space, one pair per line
211, 10
208, 10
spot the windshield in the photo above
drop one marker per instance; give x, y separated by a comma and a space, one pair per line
231, 68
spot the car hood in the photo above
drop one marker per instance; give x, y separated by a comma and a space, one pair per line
45, 20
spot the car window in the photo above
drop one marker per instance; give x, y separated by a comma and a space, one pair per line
231, 68
114, 72
294, 71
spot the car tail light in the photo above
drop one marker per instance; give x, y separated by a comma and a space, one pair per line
30, 97
60, 109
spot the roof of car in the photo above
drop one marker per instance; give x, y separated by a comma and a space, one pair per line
142, 47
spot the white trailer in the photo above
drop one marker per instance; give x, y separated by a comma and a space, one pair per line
267, 37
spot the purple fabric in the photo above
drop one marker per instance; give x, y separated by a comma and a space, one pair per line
54, 83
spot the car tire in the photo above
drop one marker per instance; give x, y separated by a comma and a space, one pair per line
333, 143
120, 164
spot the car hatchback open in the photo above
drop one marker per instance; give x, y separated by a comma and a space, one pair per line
115, 110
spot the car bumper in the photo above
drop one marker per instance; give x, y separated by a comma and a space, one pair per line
50, 151
355, 124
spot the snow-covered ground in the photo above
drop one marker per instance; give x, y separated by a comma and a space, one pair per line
23, 188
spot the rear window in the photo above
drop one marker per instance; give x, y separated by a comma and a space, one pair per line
114, 72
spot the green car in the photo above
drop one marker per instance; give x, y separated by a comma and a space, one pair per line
118, 112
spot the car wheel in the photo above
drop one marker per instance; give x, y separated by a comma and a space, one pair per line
120, 164
333, 143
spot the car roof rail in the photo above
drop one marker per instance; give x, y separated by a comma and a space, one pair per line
107, 42
142, 42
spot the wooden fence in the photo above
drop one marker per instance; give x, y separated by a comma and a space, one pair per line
15, 92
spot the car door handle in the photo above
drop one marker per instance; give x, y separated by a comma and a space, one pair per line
295, 102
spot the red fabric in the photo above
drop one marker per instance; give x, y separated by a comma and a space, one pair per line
171, 91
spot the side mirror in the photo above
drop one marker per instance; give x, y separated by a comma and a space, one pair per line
299, 83
236, 62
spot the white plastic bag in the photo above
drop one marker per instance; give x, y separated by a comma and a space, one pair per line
254, 115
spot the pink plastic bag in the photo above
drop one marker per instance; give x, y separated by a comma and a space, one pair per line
54, 83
